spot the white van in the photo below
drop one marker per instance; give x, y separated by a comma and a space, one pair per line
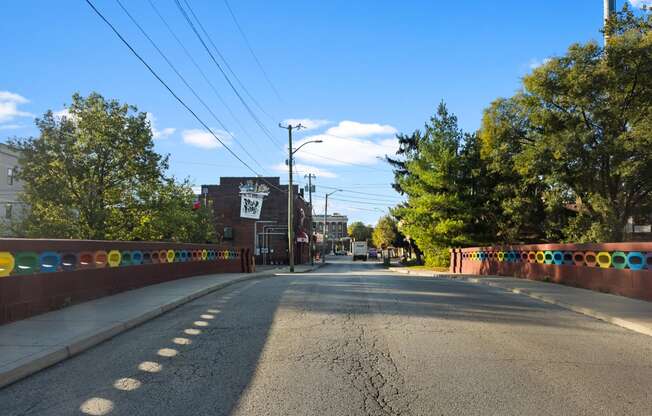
360, 250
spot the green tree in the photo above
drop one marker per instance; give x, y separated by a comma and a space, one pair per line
579, 136
94, 174
359, 231
447, 187
386, 233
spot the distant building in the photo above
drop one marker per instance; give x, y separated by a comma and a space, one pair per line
267, 236
10, 188
337, 235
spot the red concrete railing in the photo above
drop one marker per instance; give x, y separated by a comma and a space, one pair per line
619, 268
40, 275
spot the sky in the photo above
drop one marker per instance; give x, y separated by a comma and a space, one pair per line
353, 73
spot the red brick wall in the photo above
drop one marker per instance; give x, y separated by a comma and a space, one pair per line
22, 296
225, 198
625, 281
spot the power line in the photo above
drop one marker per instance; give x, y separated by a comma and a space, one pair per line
269, 81
228, 80
151, 41
226, 63
155, 74
203, 74
358, 192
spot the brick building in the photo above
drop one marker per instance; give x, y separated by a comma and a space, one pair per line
271, 241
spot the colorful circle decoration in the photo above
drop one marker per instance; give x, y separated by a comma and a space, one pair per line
547, 259
26, 262
636, 260
68, 262
604, 259
557, 257
540, 257
136, 257
101, 258
578, 258
126, 258
618, 260
590, 258
532, 257
114, 258
85, 260
568, 257
6, 263
501, 255
170, 256
49, 262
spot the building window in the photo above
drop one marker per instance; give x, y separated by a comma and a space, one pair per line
228, 233
8, 209
10, 175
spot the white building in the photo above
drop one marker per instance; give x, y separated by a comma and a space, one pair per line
10, 205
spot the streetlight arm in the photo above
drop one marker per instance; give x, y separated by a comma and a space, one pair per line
311, 141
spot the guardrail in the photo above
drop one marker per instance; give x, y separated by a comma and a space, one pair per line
620, 268
39, 275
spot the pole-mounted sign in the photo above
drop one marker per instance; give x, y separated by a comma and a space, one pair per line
251, 199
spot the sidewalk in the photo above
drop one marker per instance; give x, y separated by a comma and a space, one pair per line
35, 343
633, 314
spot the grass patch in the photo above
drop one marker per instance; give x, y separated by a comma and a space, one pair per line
430, 268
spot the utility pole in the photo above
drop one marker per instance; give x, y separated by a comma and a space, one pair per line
310, 176
323, 246
609, 9
291, 153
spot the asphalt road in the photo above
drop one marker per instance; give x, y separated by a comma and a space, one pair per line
352, 339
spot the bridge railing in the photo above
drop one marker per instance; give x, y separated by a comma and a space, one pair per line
619, 268
39, 275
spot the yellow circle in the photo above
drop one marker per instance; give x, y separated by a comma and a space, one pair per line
540, 257
204, 254
114, 258
170, 256
501, 255
7, 263
603, 263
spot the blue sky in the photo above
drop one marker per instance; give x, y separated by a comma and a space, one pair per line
355, 72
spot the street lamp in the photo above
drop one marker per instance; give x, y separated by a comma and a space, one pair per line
291, 153
323, 244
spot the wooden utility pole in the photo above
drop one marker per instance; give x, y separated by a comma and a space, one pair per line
310, 253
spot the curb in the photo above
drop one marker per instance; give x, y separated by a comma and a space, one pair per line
49, 357
423, 273
621, 322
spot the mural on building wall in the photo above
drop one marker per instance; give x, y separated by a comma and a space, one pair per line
300, 227
251, 199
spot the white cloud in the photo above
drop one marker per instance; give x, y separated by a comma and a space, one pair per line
641, 3
10, 126
203, 139
307, 123
535, 63
301, 169
342, 151
156, 133
62, 113
9, 103
354, 129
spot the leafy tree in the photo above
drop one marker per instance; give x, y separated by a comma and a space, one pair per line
386, 233
579, 135
444, 180
94, 174
359, 231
